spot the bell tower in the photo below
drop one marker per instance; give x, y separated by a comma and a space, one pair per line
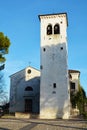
54, 86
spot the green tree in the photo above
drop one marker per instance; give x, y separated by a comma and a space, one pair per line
78, 98
4, 47
81, 99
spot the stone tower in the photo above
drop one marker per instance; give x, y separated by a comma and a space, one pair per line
54, 86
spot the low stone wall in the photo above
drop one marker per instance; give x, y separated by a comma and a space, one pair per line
75, 112
22, 115
26, 115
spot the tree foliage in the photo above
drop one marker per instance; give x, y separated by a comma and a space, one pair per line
81, 98
4, 46
78, 98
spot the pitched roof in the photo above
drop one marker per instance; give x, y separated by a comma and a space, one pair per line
23, 70
74, 71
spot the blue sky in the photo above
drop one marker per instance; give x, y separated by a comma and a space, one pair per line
19, 21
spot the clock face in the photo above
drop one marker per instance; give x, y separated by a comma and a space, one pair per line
29, 71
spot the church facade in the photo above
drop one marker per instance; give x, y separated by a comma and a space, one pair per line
46, 92
25, 91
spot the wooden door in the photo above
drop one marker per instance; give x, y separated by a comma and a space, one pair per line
28, 105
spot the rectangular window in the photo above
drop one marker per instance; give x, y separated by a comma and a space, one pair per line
72, 86
41, 67
54, 85
44, 49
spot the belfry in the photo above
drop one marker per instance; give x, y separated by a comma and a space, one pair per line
54, 86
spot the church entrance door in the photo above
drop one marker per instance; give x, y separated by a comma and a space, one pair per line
28, 105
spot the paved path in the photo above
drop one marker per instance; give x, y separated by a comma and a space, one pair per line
34, 124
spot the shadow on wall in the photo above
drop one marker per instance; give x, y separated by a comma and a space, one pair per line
25, 92
55, 96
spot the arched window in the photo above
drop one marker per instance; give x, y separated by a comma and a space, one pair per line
56, 29
49, 29
28, 88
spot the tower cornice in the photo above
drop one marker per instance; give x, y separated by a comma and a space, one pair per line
54, 15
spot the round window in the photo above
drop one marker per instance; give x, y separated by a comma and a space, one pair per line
29, 71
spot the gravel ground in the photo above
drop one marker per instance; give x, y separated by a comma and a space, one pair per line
36, 124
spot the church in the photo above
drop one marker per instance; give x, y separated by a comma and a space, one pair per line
45, 93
